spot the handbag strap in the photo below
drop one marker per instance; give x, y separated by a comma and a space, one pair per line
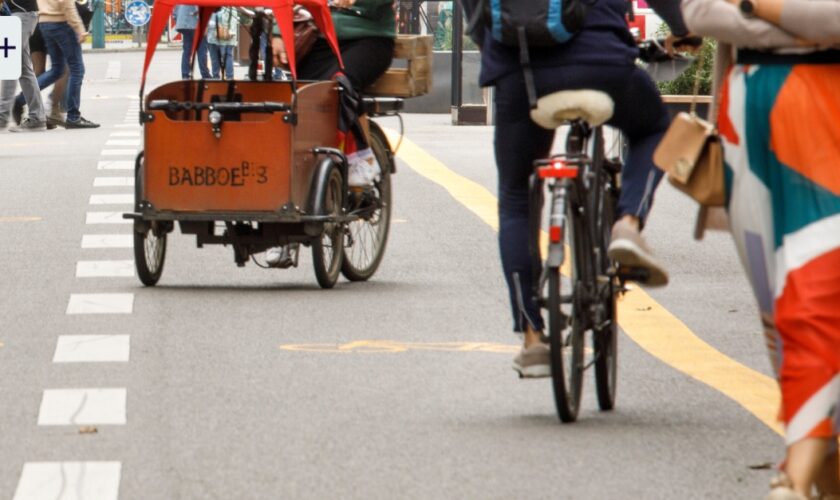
701, 59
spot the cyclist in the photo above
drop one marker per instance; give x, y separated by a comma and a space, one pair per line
602, 57
366, 30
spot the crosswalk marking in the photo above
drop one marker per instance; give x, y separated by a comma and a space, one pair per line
69, 481
123, 142
113, 181
112, 199
91, 349
119, 152
115, 165
106, 218
107, 241
105, 269
83, 407
130, 133
100, 303
113, 71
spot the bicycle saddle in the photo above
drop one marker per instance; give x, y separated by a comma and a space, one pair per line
592, 106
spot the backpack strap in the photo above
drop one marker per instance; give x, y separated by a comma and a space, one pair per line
525, 62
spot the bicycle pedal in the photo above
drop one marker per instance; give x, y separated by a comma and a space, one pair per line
637, 274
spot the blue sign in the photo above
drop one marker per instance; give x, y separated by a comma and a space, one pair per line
10, 43
138, 13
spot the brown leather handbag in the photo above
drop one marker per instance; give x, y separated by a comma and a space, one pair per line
306, 32
691, 154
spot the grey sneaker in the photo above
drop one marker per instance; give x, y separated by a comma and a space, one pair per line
628, 248
533, 361
80, 123
29, 125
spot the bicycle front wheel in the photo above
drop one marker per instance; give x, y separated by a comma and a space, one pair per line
565, 323
605, 333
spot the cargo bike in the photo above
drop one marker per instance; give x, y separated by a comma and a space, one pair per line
256, 164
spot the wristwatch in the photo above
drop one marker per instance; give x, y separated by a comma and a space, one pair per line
747, 7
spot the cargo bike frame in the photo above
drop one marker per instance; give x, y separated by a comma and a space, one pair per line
257, 164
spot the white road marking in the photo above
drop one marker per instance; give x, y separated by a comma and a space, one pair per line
130, 133
112, 199
119, 152
83, 407
106, 218
92, 349
100, 303
115, 165
123, 142
69, 481
107, 241
127, 125
113, 181
105, 269
113, 71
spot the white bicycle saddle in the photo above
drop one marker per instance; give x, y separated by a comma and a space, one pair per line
592, 106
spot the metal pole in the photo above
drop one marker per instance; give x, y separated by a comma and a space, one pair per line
457, 53
98, 24
415, 17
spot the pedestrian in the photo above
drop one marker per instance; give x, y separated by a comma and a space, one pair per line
222, 37
186, 21
602, 56
778, 117
63, 33
27, 12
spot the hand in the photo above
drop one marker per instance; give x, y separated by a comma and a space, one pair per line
686, 43
343, 4
278, 51
82, 37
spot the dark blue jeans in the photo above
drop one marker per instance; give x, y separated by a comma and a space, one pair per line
187, 36
639, 114
63, 48
221, 55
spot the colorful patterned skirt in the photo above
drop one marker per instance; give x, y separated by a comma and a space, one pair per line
781, 131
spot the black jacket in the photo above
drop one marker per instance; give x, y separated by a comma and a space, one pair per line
22, 5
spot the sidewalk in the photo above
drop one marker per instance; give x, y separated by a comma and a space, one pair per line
128, 46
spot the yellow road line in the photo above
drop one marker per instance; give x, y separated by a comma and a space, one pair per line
645, 321
19, 219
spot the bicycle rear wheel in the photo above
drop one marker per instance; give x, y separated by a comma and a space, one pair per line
366, 237
605, 332
565, 322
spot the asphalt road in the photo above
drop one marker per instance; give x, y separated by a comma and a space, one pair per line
251, 383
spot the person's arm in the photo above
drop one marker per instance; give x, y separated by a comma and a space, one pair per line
669, 11
723, 21
814, 21
72, 16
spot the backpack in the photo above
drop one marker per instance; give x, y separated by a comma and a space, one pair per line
524, 24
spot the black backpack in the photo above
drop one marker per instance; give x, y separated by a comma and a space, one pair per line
525, 23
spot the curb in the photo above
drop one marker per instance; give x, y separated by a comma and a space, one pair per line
113, 50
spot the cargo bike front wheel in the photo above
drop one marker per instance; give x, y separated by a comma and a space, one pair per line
149, 238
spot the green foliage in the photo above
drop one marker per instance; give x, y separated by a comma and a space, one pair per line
684, 84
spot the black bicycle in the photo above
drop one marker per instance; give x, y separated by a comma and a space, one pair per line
578, 283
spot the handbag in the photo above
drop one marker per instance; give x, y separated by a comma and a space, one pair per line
306, 32
691, 154
223, 32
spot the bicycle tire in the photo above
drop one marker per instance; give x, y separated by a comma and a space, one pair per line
605, 339
566, 334
327, 257
149, 241
361, 262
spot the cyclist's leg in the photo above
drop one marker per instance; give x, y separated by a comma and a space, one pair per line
643, 117
518, 142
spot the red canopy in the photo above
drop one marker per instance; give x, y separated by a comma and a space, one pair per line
283, 14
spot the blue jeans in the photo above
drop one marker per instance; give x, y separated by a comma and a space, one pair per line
201, 54
221, 54
63, 48
639, 114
